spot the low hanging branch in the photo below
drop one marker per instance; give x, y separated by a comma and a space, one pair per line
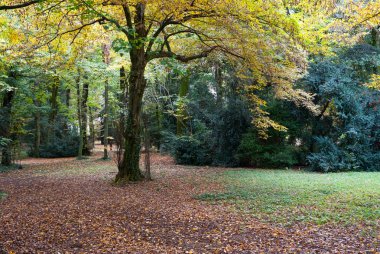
184, 59
18, 6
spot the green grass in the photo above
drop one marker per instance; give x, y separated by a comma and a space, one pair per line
8, 168
289, 196
2, 195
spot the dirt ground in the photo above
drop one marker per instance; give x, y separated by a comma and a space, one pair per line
70, 206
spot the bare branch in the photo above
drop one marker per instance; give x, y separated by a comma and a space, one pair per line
77, 30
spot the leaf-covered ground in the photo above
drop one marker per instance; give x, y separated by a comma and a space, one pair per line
70, 206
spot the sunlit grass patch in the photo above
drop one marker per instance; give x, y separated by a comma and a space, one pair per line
289, 196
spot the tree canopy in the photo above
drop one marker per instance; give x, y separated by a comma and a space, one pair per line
267, 45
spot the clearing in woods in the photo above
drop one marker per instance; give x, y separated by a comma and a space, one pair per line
69, 205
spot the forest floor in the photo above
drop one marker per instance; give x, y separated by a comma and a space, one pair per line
70, 206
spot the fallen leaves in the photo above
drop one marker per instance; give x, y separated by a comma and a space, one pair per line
69, 206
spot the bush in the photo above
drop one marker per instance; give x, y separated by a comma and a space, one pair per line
61, 147
254, 152
191, 149
338, 157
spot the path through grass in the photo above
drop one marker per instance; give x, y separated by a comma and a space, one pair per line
289, 196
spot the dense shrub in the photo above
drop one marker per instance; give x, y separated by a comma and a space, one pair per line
191, 149
61, 147
253, 152
354, 126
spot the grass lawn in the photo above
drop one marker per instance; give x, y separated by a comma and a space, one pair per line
286, 197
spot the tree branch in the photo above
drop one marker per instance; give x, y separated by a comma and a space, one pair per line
78, 30
366, 19
184, 59
169, 21
105, 18
128, 16
18, 6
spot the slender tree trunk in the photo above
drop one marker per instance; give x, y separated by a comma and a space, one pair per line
37, 137
129, 169
120, 122
84, 121
181, 110
123, 87
219, 83
67, 104
79, 115
68, 96
106, 57
53, 110
92, 127
6, 110
37, 122
37, 132
105, 141
158, 118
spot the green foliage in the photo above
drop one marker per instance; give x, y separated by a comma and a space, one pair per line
8, 168
349, 137
215, 119
66, 146
287, 197
4, 142
255, 152
229, 124
191, 149
2, 195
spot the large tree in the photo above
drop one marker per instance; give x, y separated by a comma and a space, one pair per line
187, 31
267, 37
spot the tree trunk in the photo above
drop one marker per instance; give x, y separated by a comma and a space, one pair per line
84, 121
37, 133
6, 157
375, 34
79, 115
123, 87
37, 122
106, 57
67, 103
123, 102
129, 169
147, 149
123, 96
105, 137
92, 127
53, 110
158, 118
181, 110
37, 137
219, 84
